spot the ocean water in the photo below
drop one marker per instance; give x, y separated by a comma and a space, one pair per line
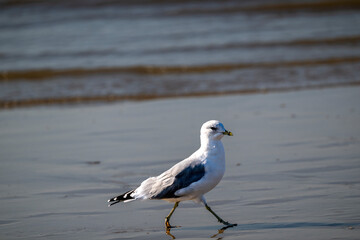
79, 51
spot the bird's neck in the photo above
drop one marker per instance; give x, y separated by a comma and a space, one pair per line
208, 144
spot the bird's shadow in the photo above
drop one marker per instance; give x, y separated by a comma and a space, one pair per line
220, 231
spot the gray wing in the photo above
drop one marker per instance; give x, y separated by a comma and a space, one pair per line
183, 179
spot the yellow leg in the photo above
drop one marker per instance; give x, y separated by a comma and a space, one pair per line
167, 219
219, 218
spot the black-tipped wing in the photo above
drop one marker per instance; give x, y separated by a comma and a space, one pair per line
121, 198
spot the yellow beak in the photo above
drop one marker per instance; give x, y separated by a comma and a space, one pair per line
228, 133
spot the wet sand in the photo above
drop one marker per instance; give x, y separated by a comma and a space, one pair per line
292, 167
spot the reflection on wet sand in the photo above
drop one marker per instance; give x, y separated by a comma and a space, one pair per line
216, 235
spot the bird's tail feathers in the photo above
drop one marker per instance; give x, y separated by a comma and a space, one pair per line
126, 197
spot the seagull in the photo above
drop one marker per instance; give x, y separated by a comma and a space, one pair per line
189, 179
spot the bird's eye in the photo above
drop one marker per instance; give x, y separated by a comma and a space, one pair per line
213, 128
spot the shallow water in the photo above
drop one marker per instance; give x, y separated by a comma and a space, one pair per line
81, 51
292, 167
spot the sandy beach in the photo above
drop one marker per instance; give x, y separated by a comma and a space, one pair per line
96, 96
292, 167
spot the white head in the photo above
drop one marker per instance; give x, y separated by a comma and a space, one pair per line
213, 130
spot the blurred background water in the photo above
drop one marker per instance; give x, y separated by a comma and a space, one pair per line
71, 51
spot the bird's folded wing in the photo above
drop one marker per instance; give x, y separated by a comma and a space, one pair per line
186, 176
